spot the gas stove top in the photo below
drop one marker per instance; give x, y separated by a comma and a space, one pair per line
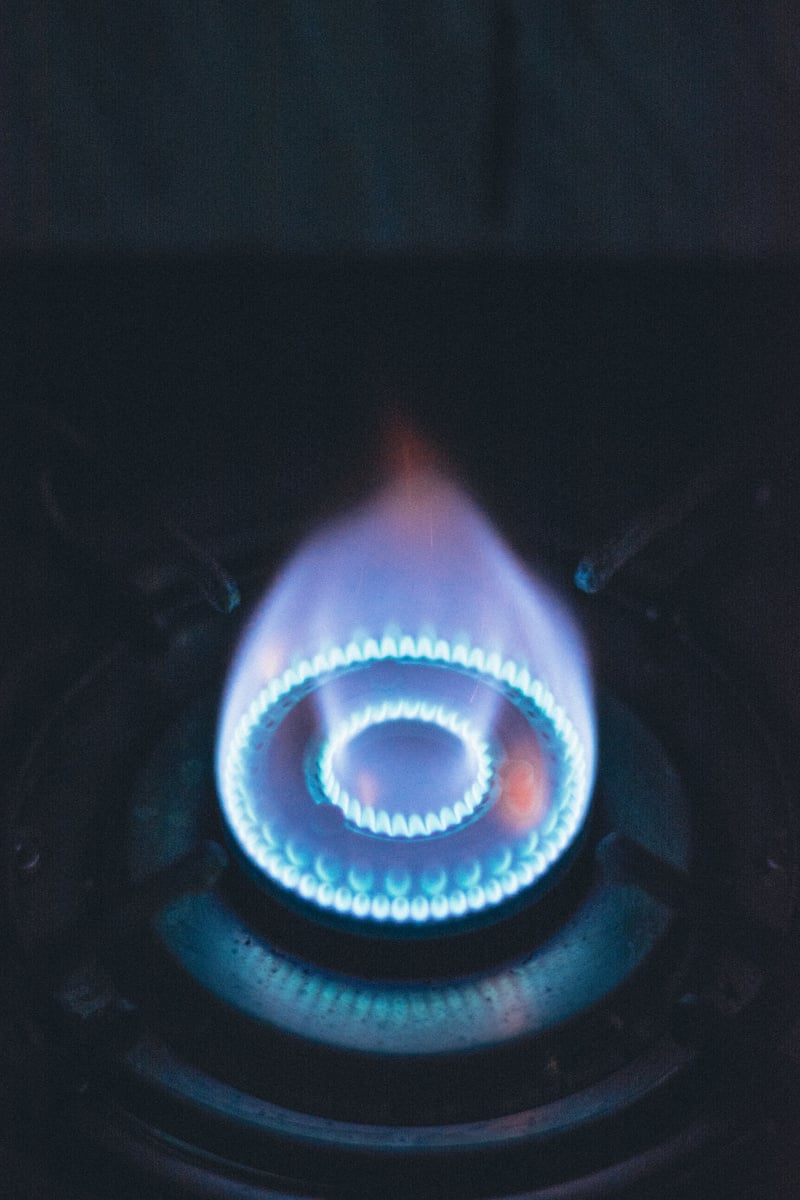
182, 1014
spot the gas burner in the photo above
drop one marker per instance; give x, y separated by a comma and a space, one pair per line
406, 780
401, 760
211, 1033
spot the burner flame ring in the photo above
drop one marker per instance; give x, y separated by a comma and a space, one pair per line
422, 899
377, 820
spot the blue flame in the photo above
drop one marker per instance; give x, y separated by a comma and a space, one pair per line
329, 681
376, 819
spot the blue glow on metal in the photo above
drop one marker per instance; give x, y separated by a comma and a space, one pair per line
422, 823
437, 878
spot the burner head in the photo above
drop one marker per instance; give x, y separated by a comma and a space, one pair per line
405, 812
407, 736
226, 1029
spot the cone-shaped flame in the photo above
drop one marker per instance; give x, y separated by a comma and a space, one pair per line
405, 678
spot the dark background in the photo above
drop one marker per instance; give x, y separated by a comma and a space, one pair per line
569, 395
560, 239
302, 126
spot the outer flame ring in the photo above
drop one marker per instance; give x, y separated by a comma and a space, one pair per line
396, 900
405, 825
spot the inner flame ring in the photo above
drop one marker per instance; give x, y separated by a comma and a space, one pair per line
425, 823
